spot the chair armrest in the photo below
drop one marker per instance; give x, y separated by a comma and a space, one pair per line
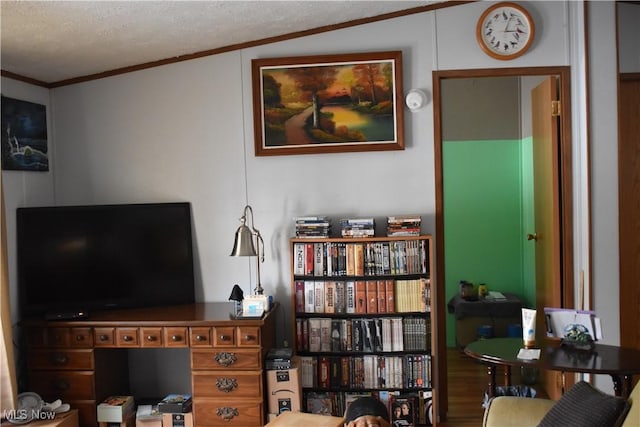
512, 411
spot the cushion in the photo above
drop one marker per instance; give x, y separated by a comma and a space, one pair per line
585, 406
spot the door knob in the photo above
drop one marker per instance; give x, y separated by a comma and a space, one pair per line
532, 236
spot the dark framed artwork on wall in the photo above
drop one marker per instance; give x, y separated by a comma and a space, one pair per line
24, 136
328, 103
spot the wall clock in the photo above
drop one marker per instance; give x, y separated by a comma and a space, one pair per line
505, 30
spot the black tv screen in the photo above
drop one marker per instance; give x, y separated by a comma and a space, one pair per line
87, 258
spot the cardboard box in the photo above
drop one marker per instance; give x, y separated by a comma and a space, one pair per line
65, 419
129, 421
285, 389
175, 403
177, 420
115, 409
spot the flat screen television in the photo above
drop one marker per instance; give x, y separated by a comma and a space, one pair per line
73, 260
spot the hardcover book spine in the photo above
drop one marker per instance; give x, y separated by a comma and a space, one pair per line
299, 259
340, 306
361, 296
319, 297
308, 266
300, 296
325, 334
309, 296
329, 297
382, 296
350, 297
318, 259
371, 287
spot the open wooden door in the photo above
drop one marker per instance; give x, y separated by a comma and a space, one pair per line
629, 206
547, 210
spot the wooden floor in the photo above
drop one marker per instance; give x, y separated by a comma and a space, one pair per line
467, 384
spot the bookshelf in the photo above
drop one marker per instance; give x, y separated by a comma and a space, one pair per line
363, 311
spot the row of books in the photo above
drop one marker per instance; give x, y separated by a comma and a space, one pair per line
363, 296
387, 334
373, 371
357, 227
313, 226
405, 409
404, 225
360, 259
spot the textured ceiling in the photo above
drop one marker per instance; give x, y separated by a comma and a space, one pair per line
52, 41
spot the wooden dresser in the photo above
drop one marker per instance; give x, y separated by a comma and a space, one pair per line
84, 361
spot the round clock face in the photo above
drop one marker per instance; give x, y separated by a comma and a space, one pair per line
505, 31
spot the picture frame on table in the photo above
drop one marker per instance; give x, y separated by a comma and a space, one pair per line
328, 103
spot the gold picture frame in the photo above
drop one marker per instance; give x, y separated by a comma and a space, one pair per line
328, 103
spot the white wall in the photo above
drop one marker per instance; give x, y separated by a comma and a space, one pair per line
185, 132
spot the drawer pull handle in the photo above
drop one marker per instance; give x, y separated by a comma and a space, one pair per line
79, 338
225, 338
59, 359
61, 384
200, 338
225, 359
176, 338
104, 338
227, 413
226, 384
127, 338
249, 338
152, 338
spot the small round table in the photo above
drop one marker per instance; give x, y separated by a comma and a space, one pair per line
618, 362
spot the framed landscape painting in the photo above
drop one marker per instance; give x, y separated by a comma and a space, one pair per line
328, 103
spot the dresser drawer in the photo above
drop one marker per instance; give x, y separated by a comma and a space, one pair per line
249, 336
63, 385
220, 359
151, 337
200, 337
227, 384
221, 412
61, 359
127, 337
104, 337
175, 337
224, 336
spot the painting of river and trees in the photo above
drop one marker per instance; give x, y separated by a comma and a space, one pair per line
328, 104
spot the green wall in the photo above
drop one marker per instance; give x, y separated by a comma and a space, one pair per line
487, 214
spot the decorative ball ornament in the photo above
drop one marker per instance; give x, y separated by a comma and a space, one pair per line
505, 31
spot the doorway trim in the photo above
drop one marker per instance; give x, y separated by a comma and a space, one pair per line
565, 177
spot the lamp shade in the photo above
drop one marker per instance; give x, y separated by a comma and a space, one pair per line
243, 244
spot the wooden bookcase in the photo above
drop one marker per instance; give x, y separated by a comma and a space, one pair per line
364, 322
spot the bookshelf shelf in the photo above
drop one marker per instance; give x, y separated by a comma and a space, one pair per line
363, 311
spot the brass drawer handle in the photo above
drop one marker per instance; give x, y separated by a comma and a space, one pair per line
225, 338
104, 337
226, 384
249, 338
227, 413
152, 338
127, 338
176, 338
225, 359
79, 338
59, 359
200, 338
